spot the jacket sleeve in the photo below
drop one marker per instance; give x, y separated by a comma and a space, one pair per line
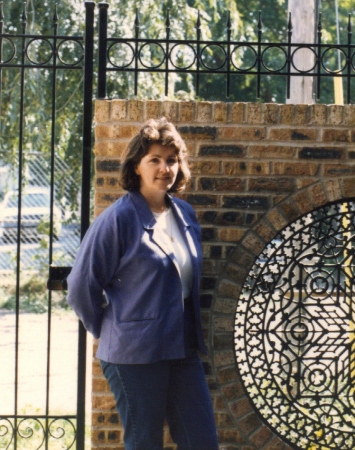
95, 265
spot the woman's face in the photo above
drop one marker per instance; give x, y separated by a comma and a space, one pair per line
158, 169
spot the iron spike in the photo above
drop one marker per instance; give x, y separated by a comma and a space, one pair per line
229, 23
167, 22
260, 23
136, 21
1, 13
1, 18
349, 24
289, 25
24, 15
55, 16
198, 22
320, 23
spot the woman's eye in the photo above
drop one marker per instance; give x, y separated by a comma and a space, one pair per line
172, 161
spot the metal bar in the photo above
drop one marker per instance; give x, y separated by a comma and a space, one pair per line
235, 73
348, 93
101, 88
50, 250
43, 36
198, 53
136, 55
229, 32
167, 31
319, 56
289, 57
85, 204
39, 66
220, 42
18, 255
258, 82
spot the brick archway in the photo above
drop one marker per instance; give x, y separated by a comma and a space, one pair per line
248, 426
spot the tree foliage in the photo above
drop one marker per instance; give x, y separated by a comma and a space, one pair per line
26, 124
39, 83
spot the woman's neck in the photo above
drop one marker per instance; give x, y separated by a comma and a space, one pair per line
156, 203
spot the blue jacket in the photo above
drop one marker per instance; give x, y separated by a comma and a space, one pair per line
139, 318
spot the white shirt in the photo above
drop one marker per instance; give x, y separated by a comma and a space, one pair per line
173, 239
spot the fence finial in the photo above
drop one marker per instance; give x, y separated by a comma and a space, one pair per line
349, 24
24, 16
198, 21
260, 23
229, 23
1, 18
136, 20
289, 24
55, 16
167, 22
320, 22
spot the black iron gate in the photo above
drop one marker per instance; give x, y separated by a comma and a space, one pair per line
40, 227
45, 180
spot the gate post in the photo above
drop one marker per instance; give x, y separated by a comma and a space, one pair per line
101, 89
85, 204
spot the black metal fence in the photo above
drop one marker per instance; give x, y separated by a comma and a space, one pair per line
227, 58
35, 225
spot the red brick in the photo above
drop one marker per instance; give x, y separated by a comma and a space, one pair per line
336, 135
335, 114
295, 168
136, 110
271, 151
236, 112
317, 195
204, 112
220, 112
302, 114
293, 134
274, 444
230, 436
241, 407
241, 133
261, 437
187, 112
333, 190
270, 112
318, 114
118, 111
153, 109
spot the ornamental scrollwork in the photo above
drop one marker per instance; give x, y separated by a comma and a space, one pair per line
295, 331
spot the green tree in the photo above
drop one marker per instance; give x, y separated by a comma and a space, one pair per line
244, 17
44, 90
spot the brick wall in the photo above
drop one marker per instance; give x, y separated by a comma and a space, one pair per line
256, 168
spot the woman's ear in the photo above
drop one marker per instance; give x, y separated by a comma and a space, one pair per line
136, 169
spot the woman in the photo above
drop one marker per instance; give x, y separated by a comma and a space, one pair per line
144, 254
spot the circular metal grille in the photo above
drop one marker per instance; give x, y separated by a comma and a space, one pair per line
295, 331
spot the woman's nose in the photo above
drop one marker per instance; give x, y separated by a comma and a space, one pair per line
164, 167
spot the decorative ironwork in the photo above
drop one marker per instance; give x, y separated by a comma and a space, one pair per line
51, 54
227, 57
58, 431
42, 51
295, 331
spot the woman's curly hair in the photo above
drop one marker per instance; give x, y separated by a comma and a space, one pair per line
154, 131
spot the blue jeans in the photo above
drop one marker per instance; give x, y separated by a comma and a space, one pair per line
175, 390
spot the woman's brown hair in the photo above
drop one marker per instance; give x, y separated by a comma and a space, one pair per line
154, 131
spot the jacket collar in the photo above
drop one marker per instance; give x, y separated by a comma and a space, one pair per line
145, 213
